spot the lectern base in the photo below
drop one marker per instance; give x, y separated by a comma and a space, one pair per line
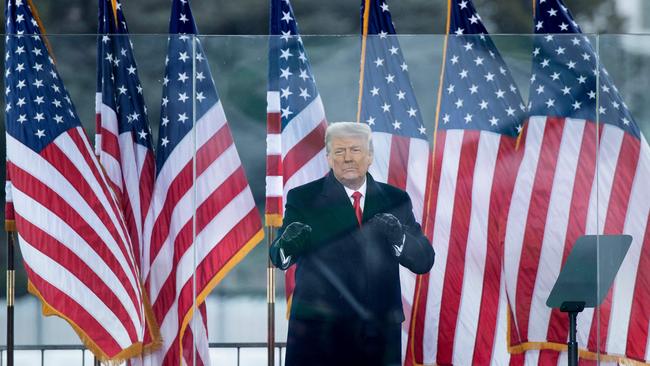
572, 308
586, 278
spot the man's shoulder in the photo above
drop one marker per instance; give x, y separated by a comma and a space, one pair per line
307, 189
392, 191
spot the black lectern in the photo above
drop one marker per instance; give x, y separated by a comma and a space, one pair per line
586, 278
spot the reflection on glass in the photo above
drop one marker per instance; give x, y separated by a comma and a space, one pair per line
580, 165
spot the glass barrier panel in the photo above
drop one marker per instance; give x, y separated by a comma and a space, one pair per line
510, 147
623, 198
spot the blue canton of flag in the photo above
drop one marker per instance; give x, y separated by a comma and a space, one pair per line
38, 107
389, 104
566, 72
179, 97
118, 81
478, 91
294, 80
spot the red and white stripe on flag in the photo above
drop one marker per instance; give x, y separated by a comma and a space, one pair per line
129, 167
203, 222
196, 347
459, 307
274, 210
74, 243
578, 179
295, 155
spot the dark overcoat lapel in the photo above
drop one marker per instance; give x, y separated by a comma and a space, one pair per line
374, 199
337, 204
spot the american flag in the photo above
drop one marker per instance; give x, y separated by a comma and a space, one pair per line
73, 238
296, 124
123, 140
585, 170
388, 105
203, 219
460, 308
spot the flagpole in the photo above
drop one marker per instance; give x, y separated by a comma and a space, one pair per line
11, 285
270, 298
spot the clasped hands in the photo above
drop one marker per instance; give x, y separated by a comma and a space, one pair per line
296, 236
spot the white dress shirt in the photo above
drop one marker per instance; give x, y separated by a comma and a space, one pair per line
361, 190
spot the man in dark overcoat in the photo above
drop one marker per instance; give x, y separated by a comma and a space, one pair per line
348, 235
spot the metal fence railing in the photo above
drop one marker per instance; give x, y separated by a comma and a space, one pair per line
86, 358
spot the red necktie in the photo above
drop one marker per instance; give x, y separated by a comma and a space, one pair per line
357, 206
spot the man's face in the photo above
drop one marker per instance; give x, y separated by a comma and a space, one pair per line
349, 159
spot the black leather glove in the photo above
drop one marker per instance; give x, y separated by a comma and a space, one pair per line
389, 225
294, 239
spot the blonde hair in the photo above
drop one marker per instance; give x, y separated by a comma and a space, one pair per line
347, 129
